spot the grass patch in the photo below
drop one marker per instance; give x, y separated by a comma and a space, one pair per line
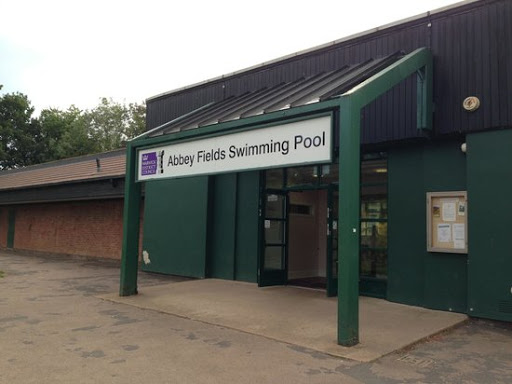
2, 274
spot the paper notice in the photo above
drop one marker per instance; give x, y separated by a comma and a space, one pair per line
267, 224
462, 209
449, 211
444, 233
459, 244
459, 236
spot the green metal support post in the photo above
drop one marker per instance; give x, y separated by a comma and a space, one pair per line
131, 219
348, 257
351, 103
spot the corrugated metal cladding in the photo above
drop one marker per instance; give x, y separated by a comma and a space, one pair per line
291, 94
472, 57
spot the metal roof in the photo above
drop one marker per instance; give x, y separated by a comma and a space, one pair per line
112, 164
285, 95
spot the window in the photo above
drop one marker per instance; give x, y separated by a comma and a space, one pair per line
374, 219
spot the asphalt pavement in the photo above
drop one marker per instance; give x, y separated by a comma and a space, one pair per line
55, 327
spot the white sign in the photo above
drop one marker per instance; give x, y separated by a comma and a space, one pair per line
444, 233
298, 143
449, 211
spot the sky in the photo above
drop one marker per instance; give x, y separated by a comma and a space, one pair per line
60, 53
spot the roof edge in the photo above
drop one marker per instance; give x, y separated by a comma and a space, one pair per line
66, 161
318, 47
67, 182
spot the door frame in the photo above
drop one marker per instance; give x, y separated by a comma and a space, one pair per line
273, 277
332, 234
269, 277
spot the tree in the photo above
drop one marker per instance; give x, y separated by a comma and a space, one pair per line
66, 134
58, 134
19, 133
112, 123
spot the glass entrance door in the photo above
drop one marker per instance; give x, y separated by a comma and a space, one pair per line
273, 260
332, 241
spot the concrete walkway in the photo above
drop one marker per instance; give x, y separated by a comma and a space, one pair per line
302, 317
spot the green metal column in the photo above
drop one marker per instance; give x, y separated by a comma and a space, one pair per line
351, 103
131, 224
349, 212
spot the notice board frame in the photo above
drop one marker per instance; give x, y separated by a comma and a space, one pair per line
447, 222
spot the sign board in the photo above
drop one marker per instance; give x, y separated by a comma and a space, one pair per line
447, 222
301, 142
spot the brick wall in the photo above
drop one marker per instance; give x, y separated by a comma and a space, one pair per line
86, 228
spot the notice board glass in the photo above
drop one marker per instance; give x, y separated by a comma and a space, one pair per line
447, 222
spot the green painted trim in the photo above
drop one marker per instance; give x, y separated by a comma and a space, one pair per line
255, 122
419, 61
349, 222
11, 225
235, 226
131, 224
351, 104
164, 125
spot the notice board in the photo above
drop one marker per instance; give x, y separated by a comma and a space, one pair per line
447, 222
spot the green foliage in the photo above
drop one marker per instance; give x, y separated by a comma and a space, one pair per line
58, 134
19, 132
112, 123
66, 134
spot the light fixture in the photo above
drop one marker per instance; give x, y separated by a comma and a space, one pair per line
471, 103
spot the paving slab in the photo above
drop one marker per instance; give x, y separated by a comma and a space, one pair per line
297, 316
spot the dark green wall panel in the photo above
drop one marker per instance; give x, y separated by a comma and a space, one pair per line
11, 225
415, 276
489, 213
446, 282
406, 226
445, 273
221, 258
175, 226
247, 220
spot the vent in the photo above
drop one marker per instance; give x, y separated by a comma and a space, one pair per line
505, 306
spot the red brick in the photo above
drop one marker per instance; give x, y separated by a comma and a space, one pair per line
86, 228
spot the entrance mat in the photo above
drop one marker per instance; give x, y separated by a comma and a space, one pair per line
310, 282
302, 317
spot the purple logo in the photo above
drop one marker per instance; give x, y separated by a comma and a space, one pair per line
149, 164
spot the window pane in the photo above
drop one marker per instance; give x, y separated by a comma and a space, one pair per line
374, 171
302, 176
274, 206
374, 207
330, 173
274, 232
374, 235
374, 263
274, 178
273, 258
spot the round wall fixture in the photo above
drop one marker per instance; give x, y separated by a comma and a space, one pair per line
471, 103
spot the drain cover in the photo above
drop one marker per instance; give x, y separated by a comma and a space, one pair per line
416, 361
